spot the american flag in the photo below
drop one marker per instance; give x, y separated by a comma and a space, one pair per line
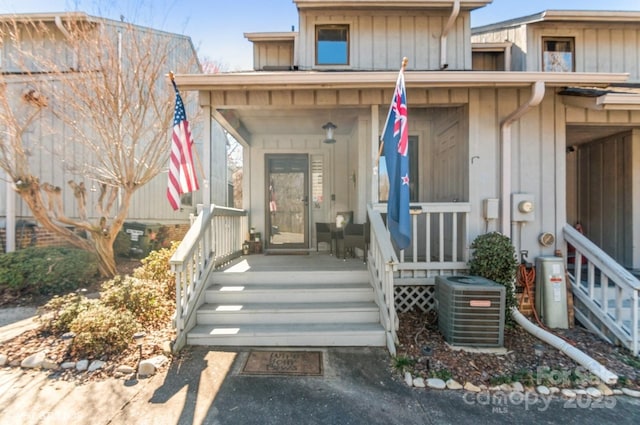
182, 174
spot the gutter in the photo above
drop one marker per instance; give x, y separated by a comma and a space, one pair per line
455, 11
537, 94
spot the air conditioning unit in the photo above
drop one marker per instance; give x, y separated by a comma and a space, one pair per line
471, 310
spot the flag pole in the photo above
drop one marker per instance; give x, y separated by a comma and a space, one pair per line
172, 77
405, 61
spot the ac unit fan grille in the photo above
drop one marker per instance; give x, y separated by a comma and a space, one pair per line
468, 314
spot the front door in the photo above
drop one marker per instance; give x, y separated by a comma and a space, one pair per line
287, 201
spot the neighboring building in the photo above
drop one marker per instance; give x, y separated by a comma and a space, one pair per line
149, 203
599, 127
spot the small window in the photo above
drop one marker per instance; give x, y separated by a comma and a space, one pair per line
332, 45
558, 54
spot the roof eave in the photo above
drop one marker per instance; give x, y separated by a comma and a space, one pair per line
414, 79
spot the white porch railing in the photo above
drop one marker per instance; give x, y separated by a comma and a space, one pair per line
382, 263
405, 280
605, 293
214, 238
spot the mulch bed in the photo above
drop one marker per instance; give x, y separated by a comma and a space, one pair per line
418, 330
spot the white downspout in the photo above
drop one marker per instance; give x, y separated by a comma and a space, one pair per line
443, 38
537, 94
592, 365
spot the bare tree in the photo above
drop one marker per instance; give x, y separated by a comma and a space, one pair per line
97, 92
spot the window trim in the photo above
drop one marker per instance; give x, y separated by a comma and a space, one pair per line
572, 44
345, 27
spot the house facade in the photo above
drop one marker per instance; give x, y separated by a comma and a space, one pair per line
528, 127
18, 72
493, 123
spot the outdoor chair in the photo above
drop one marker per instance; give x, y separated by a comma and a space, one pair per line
323, 234
354, 236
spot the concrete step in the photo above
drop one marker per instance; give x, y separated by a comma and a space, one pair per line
284, 292
289, 335
276, 313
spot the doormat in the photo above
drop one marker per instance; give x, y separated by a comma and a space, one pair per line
293, 363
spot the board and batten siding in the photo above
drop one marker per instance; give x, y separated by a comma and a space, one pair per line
47, 137
606, 175
537, 163
599, 47
276, 54
379, 40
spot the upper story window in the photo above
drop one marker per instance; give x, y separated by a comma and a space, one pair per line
558, 54
332, 45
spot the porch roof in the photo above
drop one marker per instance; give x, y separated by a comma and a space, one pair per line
623, 97
386, 4
302, 80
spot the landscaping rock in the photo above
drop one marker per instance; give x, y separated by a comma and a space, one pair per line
594, 392
3, 360
470, 387
568, 393
68, 365
542, 390
436, 383
95, 365
452, 384
408, 379
418, 383
631, 393
49, 364
34, 361
517, 386
125, 369
82, 365
605, 390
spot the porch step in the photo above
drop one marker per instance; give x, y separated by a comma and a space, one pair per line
289, 308
289, 335
279, 292
289, 312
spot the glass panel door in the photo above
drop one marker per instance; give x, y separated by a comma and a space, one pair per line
287, 201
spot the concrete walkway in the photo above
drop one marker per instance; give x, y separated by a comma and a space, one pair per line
356, 388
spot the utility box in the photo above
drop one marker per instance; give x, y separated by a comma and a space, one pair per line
142, 236
551, 292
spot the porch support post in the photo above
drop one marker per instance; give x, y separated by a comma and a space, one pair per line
207, 141
537, 94
375, 142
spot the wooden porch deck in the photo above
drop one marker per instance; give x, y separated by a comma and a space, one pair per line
292, 262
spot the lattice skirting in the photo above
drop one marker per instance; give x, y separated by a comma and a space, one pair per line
412, 297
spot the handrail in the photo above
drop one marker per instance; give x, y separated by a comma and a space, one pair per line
214, 238
382, 263
594, 293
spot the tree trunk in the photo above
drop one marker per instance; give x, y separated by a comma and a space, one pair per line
106, 258
101, 244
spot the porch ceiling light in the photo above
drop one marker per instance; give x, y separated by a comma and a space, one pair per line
329, 127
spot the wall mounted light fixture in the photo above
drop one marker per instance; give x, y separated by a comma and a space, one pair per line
329, 127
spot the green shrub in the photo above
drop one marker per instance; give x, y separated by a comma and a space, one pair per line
56, 315
102, 331
494, 258
156, 267
122, 245
144, 299
46, 271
